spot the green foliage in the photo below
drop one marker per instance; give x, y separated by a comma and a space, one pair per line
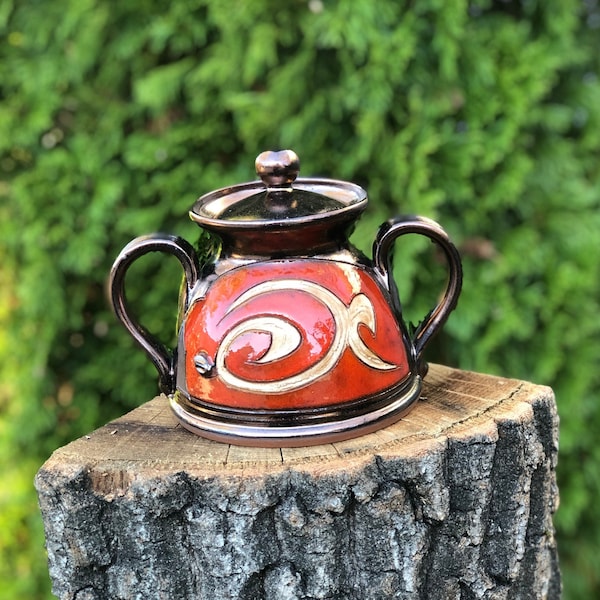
115, 116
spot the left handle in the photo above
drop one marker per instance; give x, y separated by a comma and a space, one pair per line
162, 357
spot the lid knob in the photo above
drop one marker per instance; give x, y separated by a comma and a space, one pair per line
278, 169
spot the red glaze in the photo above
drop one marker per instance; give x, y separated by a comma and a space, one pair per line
291, 335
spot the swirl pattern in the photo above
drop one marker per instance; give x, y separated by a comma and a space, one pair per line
279, 335
285, 338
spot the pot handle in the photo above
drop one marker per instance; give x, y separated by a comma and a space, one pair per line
382, 257
164, 359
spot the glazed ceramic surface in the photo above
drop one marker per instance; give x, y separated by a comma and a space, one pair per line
289, 336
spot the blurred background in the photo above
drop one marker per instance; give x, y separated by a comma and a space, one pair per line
115, 116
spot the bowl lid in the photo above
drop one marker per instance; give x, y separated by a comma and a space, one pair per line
279, 198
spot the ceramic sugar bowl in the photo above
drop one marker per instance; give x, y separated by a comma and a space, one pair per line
289, 336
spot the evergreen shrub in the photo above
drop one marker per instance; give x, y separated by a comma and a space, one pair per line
115, 116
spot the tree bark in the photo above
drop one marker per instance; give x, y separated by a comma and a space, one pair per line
455, 501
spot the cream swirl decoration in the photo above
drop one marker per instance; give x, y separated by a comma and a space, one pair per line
285, 338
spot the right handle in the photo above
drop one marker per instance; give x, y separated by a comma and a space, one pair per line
388, 233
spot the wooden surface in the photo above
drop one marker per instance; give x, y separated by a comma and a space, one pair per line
150, 437
453, 501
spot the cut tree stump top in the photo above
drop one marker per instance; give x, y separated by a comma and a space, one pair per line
453, 403
453, 501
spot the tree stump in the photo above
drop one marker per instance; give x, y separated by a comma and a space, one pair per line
455, 501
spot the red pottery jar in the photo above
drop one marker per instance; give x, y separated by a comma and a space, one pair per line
289, 336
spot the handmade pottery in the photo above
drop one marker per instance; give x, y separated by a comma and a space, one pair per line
289, 335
